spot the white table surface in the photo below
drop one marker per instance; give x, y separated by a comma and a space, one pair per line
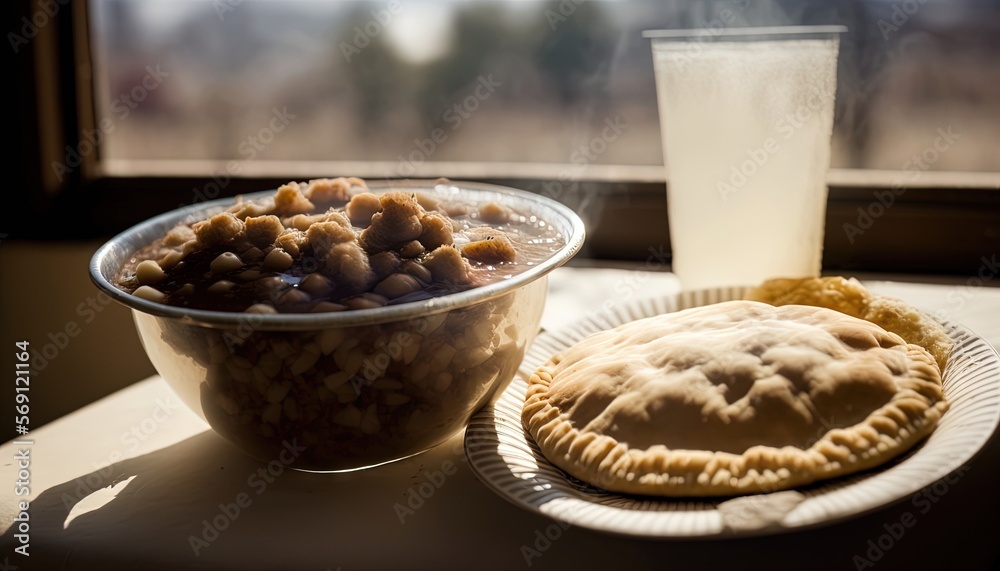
173, 473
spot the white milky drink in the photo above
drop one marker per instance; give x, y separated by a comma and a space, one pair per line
746, 131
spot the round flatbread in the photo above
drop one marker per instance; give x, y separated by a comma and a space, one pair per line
732, 398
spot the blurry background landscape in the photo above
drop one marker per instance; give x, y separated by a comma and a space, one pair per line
564, 68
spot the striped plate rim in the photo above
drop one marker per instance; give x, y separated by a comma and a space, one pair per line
506, 459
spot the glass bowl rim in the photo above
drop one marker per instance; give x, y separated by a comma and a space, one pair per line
108, 259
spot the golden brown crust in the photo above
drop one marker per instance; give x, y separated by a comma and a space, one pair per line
850, 297
845, 295
776, 398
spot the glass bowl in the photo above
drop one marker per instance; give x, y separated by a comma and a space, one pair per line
351, 389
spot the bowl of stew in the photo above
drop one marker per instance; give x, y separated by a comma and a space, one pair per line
355, 324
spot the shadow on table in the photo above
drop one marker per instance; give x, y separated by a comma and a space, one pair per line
203, 503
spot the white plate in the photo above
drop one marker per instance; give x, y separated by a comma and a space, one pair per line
507, 460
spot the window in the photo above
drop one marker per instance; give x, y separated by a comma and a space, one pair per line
502, 88
165, 103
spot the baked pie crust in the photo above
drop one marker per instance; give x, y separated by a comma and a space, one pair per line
732, 398
850, 297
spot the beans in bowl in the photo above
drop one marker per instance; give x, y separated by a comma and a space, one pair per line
352, 395
331, 245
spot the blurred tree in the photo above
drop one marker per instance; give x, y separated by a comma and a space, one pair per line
479, 32
378, 77
574, 49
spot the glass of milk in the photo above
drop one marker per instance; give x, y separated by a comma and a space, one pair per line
746, 116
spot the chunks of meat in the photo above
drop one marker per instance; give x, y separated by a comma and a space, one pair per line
289, 200
218, 230
447, 266
397, 223
263, 230
491, 247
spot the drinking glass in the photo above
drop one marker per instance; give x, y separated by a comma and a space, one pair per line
746, 116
